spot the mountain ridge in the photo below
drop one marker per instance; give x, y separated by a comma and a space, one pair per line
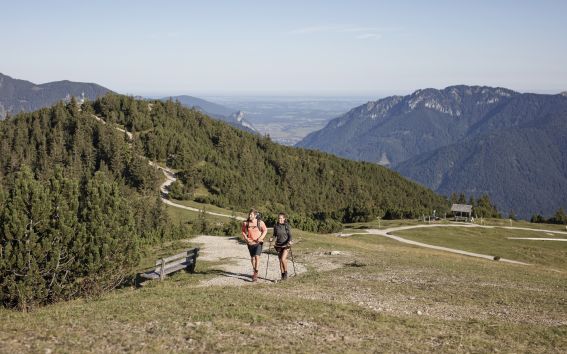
217, 111
381, 127
426, 135
17, 95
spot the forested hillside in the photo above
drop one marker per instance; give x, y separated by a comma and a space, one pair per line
240, 170
23, 96
78, 198
518, 156
232, 117
76, 203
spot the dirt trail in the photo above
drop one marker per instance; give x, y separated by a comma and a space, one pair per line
169, 179
236, 269
130, 136
388, 233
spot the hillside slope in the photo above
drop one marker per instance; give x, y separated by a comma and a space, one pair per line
240, 170
217, 111
521, 164
23, 96
394, 129
475, 140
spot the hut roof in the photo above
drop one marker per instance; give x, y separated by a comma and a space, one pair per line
463, 208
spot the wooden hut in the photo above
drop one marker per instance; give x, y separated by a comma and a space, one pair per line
462, 212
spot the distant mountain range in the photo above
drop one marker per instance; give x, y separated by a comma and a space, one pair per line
23, 96
234, 118
467, 139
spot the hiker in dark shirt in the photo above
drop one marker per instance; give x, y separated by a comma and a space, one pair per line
282, 235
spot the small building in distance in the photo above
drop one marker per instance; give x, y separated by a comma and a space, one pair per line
461, 212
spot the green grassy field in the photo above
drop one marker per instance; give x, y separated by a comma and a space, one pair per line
383, 224
378, 295
495, 242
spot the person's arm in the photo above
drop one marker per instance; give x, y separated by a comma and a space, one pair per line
264, 230
289, 238
275, 233
244, 232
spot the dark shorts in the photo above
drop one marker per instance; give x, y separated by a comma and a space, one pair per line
255, 250
281, 249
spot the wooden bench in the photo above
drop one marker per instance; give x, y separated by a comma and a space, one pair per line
165, 266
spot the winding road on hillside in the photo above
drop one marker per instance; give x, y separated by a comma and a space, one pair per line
164, 188
169, 179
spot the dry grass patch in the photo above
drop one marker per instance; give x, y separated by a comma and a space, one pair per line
405, 299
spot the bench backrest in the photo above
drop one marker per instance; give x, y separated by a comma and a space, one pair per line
189, 257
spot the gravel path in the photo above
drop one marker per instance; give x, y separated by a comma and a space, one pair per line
537, 238
169, 179
236, 269
387, 233
130, 137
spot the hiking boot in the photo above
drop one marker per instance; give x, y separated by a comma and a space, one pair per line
284, 275
255, 276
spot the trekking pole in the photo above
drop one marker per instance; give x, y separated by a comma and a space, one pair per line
292, 261
268, 261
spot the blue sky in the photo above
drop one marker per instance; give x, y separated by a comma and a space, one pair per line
287, 47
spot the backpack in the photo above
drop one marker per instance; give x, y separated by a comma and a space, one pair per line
258, 219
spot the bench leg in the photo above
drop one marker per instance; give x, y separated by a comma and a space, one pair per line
162, 270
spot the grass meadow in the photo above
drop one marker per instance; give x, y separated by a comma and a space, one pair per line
377, 295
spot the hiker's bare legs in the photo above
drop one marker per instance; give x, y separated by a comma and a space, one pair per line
283, 260
255, 261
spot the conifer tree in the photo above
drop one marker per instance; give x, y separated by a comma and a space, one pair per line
559, 217
110, 248
66, 237
25, 242
453, 199
485, 208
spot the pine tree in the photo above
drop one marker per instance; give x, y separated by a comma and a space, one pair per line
66, 237
485, 208
453, 199
111, 247
25, 242
559, 217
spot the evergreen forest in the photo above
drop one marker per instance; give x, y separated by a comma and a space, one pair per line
79, 200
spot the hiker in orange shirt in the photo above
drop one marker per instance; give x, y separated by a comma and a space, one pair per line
253, 233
